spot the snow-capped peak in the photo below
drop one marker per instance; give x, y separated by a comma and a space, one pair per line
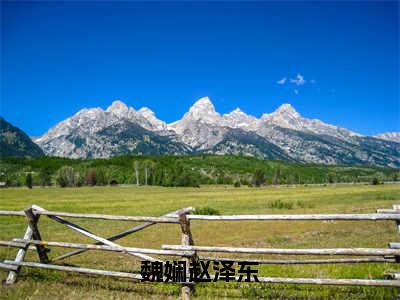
287, 109
203, 104
119, 108
197, 124
285, 116
203, 110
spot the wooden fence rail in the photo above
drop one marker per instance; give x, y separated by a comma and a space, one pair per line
333, 251
32, 240
319, 217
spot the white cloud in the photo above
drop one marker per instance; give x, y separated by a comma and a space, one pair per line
282, 81
299, 80
296, 91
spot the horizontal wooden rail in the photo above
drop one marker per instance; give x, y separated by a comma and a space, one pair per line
318, 217
393, 215
18, 243
111, 217
12, 213
133, 276
137, 277
303, 261
327, 251
95, 216
8, 267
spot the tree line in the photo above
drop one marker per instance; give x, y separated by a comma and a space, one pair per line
175, 171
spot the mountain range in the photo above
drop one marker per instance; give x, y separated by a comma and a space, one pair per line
283, 135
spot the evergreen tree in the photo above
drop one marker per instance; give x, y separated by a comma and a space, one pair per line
258, 177
395, 177
45, 177
28, 180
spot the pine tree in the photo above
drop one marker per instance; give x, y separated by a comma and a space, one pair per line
28, 180
45, 177
258, 177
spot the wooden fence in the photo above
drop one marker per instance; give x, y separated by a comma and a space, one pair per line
32, 240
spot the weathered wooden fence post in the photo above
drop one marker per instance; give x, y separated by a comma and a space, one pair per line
12, 275
32, 223
187, 240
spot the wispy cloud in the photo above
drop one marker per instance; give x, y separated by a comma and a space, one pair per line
296, 83
299, 80
282, 81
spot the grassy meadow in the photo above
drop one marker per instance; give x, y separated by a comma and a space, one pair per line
155, 201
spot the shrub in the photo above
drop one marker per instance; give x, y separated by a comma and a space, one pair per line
303, 204
236, 184
206, 211
278, 204
65, 176
375, 181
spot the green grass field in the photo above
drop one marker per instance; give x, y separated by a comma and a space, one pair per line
155, 201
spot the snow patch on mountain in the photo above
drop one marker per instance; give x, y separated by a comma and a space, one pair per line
389, 136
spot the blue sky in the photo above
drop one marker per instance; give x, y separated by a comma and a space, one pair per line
58, 57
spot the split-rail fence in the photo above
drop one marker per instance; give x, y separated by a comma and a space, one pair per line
32, 240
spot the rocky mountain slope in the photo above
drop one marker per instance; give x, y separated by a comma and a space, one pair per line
283, 134
14, 142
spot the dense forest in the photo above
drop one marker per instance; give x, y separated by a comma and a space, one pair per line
179, 171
